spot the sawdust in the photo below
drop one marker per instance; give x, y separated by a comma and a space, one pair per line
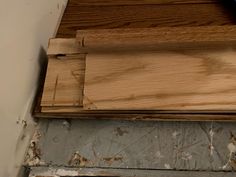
33, 156
232, 153
110, 160
186, 156
175, 134
120, 132
78, 160
167, 166
211, 134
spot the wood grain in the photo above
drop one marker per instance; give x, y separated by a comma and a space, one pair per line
103, 14
63, 81
161, 81
140, 16
139, 2
63, 46
108, 40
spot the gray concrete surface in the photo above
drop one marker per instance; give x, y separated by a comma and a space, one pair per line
76, 172
201, 146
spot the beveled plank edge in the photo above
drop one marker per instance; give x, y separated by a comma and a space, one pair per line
217, 116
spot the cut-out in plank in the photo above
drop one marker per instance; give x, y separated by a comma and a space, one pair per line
64, 81
200, 80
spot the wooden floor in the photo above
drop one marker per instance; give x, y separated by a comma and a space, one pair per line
172, 80
128, 148
101, 14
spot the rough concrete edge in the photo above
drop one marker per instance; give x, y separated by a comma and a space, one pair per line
75, 172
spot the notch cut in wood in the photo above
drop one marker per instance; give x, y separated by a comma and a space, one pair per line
64, 81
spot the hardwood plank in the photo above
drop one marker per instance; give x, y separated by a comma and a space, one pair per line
61, 109
161, 81
63, 81
108, 40
138, 2
93, 17
63, 46
218, 116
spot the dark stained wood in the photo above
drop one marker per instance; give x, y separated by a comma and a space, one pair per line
138, 2
143, 115
97, 17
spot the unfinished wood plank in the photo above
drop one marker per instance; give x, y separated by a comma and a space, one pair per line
161, 81
64, 81
108, 40
63, 46
140, 16
61, 109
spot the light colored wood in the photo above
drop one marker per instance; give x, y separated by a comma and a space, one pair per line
173, 77
200, 80
155, 38
60, 109
63, 46
63, 81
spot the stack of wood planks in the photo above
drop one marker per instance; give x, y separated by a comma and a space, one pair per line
159, 62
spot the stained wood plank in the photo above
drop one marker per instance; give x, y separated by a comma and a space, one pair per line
93, 17
63, 81
139, 2
72, 113
108, 40
161, 81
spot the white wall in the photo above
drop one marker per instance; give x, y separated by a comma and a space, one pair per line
25, 26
